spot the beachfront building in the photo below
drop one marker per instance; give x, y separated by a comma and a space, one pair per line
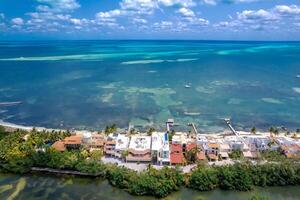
92, 141
59, 146
122, 143
71, 142
224, 150
139, 149
248, 150
212, 150
236, 143
202, 140
110, 144
258, 142
176, 156
178, 146
160, 149
289, 146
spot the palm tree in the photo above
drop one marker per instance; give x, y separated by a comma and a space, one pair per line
150, 131
253, 130
276, 131
132, 131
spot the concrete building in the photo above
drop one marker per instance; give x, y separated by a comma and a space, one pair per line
110, 144
122, 143
92, 141
139, 149
258, 142
224, 150
160, 149
176, 155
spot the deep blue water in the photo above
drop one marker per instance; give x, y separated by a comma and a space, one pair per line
89, 84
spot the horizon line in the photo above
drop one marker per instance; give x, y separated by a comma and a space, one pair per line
196, 40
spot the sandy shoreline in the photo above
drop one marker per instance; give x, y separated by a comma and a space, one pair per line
26, 128
217, 134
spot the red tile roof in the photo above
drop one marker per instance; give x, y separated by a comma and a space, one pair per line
73, 140
176, 158
59, 146
176, 147
191, 146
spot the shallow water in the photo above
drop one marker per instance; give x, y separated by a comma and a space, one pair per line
66, 187
89, 84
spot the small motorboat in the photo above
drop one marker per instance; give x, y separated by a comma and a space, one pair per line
189, 85
298, 76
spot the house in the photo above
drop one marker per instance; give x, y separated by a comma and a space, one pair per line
291, 151
72, 142
236, 143
59, 146
224, 150
160, 149
92, 141
176, 156
110, 144
258, 142
179, 138
122, 143
201, 140
139, 149
212, 148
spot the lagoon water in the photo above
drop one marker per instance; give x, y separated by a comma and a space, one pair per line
36, 187
89, 84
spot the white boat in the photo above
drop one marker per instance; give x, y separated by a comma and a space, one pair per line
187, 86
298, 76
192, 113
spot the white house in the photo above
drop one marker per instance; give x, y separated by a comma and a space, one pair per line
122, 143
139, 149
160, 149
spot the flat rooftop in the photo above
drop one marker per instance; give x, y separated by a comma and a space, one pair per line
140, 143
122, 142
158, 140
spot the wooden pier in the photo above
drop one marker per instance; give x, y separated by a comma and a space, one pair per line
228, 122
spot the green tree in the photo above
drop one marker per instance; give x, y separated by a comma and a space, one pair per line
253, 130
150, 131
236, 154
110, 129
124, 154
191, 156
204, 179
96, 155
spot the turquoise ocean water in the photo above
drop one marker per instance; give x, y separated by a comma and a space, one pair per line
89, 84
